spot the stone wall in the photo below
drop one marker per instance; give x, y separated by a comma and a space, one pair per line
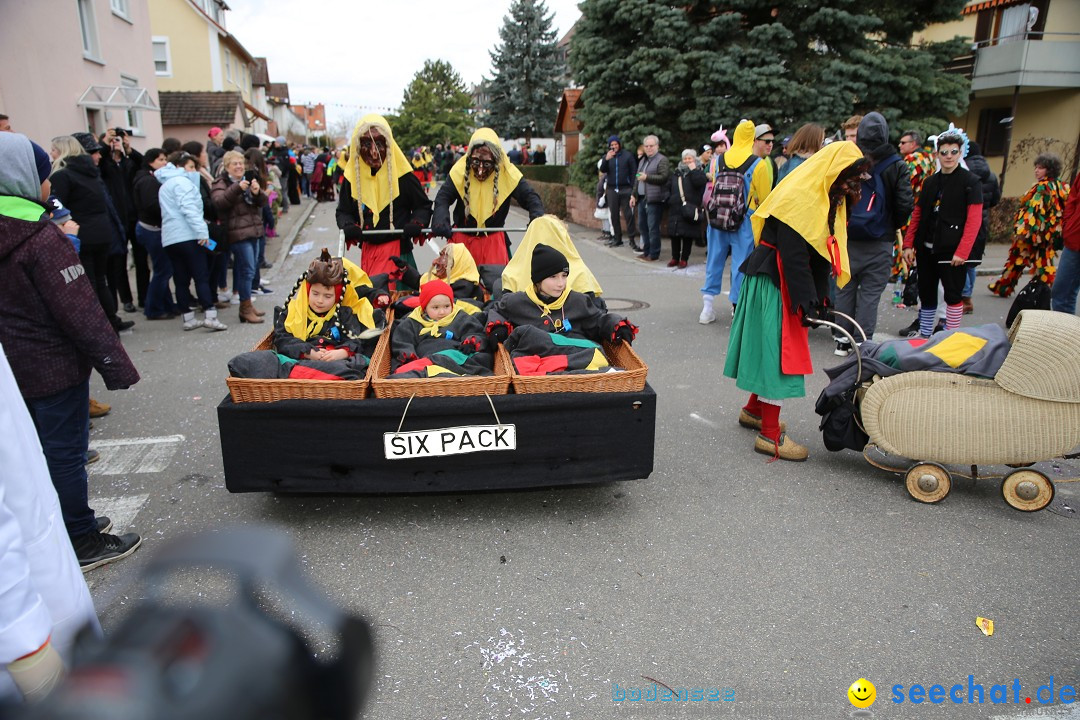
580, 207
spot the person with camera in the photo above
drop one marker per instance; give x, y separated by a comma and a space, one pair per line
685, 215
118, 168
239, 195
620, 167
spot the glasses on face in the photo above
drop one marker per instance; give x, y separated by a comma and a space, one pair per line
481, 164
954, 151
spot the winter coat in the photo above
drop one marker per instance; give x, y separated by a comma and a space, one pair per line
620, 170
79, 187
658, 172
145, 191
693, 188
52, 326
583, 316
181, 206
991, 192
214, 153
873, 140
411, 205
1070, 222
244, 219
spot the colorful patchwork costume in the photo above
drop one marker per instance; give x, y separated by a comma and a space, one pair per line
1038, 230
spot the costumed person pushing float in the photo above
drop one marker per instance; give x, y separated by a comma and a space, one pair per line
480, 184
380, 192
800, 232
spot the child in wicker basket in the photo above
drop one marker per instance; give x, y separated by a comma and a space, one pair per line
442, 337
316, 325
575, 323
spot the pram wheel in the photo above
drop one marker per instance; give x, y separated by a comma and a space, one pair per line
1027, 490
928, 482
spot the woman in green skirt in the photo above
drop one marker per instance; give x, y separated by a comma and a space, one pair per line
800, 237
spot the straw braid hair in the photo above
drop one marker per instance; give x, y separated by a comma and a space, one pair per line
337, 316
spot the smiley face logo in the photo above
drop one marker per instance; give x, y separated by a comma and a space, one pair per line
862, 693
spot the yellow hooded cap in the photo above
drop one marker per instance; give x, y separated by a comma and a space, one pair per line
547, 230
462, 266
376, 191
742, 144
802, 203
484, 198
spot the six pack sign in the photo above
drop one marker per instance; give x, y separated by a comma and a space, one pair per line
449, 441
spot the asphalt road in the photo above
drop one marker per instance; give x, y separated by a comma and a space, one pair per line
778, 584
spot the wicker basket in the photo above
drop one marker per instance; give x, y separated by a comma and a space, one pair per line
622, 356
497, 384
274, 389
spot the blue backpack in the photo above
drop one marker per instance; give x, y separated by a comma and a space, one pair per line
870, 218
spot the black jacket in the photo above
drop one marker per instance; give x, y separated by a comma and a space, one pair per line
411, 205
620, 170
145, 192
806, 273
873, 140
79, 187
943, 204
525, 196
991, 193
693, 188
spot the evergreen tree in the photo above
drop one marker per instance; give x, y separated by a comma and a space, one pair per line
436, 108
680, 69
525, 89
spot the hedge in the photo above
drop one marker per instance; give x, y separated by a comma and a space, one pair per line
553, 195
558, 174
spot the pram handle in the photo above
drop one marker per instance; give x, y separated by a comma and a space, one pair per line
851, 338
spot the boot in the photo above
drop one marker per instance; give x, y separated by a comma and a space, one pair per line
99, 409
968, 307
258, 312
247, 313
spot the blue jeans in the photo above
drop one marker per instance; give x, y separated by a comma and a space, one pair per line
63, 427
244, 266
1066, 282
969, 281
191, 261
740, 243
159, 299
649, 225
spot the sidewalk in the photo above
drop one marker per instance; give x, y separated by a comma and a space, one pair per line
288, 228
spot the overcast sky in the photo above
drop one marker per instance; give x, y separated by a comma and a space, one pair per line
358, 57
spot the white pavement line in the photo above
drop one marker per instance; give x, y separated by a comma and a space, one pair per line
134, 455
121, 510
710, 423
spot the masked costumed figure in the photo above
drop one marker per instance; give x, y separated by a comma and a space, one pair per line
480, 185
800, 235
380, 192
455, 265
1037, 227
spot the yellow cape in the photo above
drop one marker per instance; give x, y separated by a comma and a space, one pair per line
481, 200
463, 267
742, 144
802, 202
547, 230
376, 191
297, 319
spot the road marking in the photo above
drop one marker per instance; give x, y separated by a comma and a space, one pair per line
134, 455
710, 423
121, 510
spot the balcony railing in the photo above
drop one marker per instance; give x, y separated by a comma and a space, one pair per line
1044, 60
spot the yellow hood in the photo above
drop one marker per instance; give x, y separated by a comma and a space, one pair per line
547, 230
376, 191
462, 268
484, 198
742, 144
802, 203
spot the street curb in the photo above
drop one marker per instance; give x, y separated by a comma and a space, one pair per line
287, 243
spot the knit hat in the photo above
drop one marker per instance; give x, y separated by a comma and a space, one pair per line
326, 270
280, 139
614, 138
432, 289
547, 261
761, 129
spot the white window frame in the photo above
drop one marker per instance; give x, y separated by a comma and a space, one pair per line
228, 65
162, 40
121, 9
88, 31
133, 117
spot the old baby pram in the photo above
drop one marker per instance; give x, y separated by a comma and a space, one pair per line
915, 423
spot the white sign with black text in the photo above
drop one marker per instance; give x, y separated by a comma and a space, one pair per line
449, 441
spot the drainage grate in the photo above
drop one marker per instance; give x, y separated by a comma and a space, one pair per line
624, 304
